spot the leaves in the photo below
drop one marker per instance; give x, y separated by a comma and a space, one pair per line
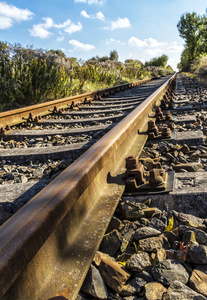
169, 227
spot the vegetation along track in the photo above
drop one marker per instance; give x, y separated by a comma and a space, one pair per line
48, 245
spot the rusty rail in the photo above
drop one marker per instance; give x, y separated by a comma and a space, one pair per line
48, 245
19, 115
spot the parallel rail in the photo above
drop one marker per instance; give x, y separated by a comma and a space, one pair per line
17, 116
41, 245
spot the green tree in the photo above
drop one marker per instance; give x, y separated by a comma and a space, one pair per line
160, 61
114, 55
189, 29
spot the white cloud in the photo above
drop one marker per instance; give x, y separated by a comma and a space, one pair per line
84, 14
41, 30
100, 2
111, 40
81, 46
60, 38
150, 42
120, 23
73, 28
63, 25
136, 42
154, 52
10, 14
99, 15
175, 48
153, 43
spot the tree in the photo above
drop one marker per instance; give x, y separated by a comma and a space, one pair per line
189, 29
114, 55
160, 61
58, 52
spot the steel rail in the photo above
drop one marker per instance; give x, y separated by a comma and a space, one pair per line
48, 245
17, 116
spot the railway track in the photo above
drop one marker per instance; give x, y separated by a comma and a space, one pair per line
48, 245
34, 153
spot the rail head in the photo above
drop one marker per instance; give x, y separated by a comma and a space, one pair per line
24, 233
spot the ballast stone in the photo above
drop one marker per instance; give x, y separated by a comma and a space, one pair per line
94, 284
178, 290
168, 271
154, 291
198, 279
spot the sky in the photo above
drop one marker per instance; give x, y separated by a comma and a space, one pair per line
136, 29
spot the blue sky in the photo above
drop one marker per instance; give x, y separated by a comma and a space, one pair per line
138, 29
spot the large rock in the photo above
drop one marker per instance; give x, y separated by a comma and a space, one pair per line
127, 234
113, 274
198, 279
145, 232
61, 298
188, 236
132, 298
149, 212
157, 224
133, 287
114, 224
80, 297
201, 236
178, 290
151, 244
94, 284
160, 255
190, 220
131, 210
154, 291
111, 242
138, 262
197, 254
168, 271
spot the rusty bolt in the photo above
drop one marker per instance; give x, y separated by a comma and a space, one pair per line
153, 128
8, 127
166, 132
72, 104
30, 118
158, 114
2, 130
131, 162
169, 116
165, 98
156, 177
157, 165
163, 104
134, 170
